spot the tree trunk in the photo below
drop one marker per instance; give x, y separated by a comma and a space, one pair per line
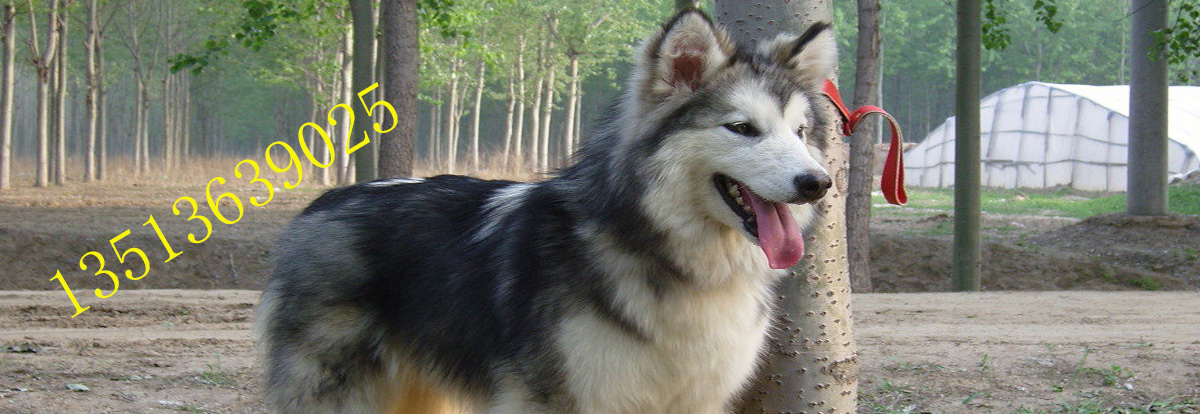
6, 104
435, 128
509, 114
92, 99
862, 148
364, 44
1147, 171
475, 117
451, 128
966, 156
535, 124
811, 364
543, 164
42, 62
519, 131
401, 63
572, 99
101, 112
342, 94
60, 103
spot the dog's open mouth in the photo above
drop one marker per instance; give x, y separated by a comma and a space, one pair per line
771, 224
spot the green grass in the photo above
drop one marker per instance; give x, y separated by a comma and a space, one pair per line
1105, 406
1056, 202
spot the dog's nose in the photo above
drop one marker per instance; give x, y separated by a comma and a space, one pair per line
811, 187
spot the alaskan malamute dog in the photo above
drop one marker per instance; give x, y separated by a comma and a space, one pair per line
636, 281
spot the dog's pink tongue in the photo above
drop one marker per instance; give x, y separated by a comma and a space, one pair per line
778, 233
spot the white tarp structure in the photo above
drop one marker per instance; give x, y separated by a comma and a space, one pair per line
1044, 135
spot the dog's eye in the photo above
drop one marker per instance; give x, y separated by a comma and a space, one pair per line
743, 128
800, 132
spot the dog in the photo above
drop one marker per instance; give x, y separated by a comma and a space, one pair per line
637, 280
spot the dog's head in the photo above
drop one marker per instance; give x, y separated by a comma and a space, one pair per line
734, 127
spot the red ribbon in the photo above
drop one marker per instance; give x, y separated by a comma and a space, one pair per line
892, 183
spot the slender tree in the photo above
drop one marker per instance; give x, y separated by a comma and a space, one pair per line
811, 363
862, 148
479, 82
42, 61
1147, 171
400, 60
59, 111
967, 156
364, 43
92, 100
6, 104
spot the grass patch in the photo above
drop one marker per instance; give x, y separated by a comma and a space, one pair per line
1063, 202
1105, 406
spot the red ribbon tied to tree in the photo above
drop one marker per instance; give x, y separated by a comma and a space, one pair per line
892, 183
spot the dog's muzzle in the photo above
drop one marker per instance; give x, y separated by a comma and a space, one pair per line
810, 187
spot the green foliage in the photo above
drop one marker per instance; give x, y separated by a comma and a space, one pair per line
995, 34
1181, 40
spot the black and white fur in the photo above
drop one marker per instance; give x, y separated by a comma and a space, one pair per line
627, 283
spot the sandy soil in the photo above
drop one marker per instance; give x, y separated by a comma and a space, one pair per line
191, 350
187, 350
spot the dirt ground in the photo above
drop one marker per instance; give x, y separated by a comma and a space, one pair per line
148, 351
1078, 326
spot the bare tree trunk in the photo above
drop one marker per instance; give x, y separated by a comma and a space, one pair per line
143, 123
185, 128
60, 102
966, 152
93, 95
535, 123
343, 94
452, 115
543, 164
400, 59
475, 117
1147, 171
519, 131
101, 112
509, 114
366, 165
168, 117
6, 105
43, 63
572, 99
862, 148
435, 129
811, 364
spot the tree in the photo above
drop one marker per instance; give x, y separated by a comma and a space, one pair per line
966, 157
400, 59
92, 100
6, 105
811, 362
364, 44
1147, 182
862, 148
42, 61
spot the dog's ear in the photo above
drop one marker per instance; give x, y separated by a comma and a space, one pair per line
685, 54
812, 55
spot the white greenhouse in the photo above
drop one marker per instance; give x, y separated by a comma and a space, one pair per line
1045, 135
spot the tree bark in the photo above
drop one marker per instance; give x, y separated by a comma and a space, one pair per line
475, 117
6, 104
343, 94
811, 364
543, 164
572, 99
452, 119
519, 130
60, 102
93, 96
1147, 171
401, 66
535, 124
862, 148
42, 62
509, 114
966, 142
364, 44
